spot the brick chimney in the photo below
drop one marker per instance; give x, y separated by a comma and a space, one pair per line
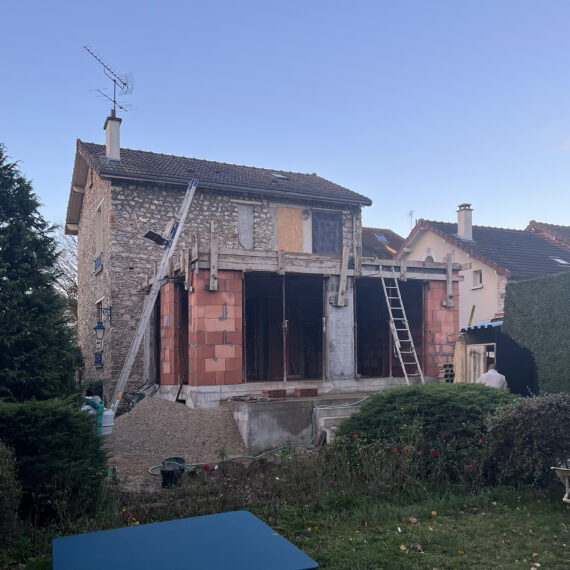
113, 142
464, 222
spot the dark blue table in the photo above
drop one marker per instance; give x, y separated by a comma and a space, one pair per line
235, 540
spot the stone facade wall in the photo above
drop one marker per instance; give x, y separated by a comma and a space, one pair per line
93, 288
440, 325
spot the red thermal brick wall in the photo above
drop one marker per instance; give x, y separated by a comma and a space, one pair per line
169, 334
439, 324
215, 330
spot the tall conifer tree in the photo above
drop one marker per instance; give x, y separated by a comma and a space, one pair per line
36, 345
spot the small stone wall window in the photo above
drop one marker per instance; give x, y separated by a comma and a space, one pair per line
98, 230
477, 278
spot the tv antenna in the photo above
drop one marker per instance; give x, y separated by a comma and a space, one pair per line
122, 83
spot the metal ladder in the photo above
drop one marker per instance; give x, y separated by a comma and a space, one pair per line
150, 300
400, 328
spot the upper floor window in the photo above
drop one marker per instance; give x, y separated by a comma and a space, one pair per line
327, 232
477, 278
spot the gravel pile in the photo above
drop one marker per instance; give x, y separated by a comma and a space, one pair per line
156, 429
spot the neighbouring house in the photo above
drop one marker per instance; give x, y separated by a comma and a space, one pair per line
558, 235
489, 257
269, 289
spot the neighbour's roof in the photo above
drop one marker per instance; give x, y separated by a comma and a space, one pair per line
561, 233
516, 253
380, 242
150, 166
487, 324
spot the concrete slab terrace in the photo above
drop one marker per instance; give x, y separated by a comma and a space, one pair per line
266, 424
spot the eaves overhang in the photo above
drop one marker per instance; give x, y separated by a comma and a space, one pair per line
237, 188
76, 192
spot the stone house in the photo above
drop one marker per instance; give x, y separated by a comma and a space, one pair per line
268, 290
489, 258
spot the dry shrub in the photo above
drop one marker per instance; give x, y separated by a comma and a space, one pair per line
10, 494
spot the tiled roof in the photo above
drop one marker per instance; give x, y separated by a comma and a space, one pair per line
522, 254
144, 165
384, 247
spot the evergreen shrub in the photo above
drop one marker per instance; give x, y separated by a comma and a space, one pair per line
528, 437
59, 456
94, 388
10, 494
448, 411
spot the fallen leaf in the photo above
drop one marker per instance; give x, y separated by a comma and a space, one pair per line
402, 547
434, 513
412, 520
430, 529
535, 553
461, 552
417, 546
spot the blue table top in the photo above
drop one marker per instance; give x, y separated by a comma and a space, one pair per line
236, 540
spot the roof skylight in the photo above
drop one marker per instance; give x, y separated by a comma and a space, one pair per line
381, 237
281, 176
560, 261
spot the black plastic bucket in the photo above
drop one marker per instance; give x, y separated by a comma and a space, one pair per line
171, 471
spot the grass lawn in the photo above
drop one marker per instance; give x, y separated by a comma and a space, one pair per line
496, 529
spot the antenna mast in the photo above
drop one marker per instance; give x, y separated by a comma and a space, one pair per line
124, 83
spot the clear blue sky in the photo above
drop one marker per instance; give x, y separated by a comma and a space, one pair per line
419, 105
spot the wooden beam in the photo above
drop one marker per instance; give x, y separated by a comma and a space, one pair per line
213, 259
281, 262
449, 301
342, 279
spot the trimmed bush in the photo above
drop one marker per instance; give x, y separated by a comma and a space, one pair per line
526, 438
10, 493
448, 411
59, 457
442, 421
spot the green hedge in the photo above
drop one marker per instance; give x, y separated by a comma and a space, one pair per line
60, 460
537, 316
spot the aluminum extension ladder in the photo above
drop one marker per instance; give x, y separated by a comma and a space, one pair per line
401, 335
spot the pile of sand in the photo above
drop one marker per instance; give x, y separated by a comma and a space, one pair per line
156, 429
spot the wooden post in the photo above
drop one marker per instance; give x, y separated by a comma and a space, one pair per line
213, 259
343, 277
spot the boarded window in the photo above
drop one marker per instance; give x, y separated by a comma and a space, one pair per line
290, 229
327, 232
